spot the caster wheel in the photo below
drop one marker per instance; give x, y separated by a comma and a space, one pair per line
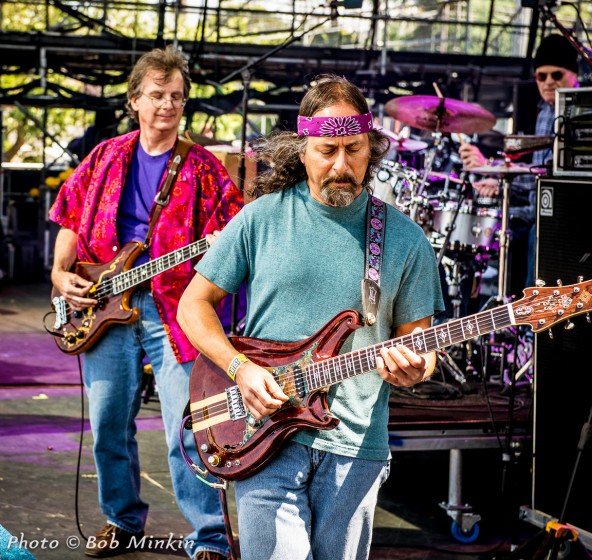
464, 536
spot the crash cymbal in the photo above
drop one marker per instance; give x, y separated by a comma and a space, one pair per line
403, 144
440, 113
504, 168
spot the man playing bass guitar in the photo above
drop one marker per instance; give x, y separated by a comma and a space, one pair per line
301, 247
107, 202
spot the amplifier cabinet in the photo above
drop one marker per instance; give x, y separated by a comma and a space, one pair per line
563, 364
572, 152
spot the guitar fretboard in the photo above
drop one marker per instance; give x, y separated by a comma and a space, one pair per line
139, 274
357, 362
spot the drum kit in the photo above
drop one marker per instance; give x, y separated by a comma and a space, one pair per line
463, 229
467, 232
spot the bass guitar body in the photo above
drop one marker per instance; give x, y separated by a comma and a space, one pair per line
78, 331
230, 442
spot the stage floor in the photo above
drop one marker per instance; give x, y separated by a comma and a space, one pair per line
46, 494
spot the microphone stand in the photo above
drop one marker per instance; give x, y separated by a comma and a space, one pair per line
246, 74
548, 14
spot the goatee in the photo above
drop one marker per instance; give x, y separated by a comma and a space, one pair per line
343, 195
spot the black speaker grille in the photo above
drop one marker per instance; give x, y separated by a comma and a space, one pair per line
563, 370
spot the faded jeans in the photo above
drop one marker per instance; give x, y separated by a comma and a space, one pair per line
307, 504
113, 374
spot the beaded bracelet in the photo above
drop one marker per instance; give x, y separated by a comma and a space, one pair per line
237, 361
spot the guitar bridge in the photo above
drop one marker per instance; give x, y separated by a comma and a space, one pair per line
234, 400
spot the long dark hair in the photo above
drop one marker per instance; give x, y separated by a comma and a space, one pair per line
280, 152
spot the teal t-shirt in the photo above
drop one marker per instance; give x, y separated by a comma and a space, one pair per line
304, 262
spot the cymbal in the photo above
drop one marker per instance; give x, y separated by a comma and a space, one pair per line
521, 144
506, 169
408, 145
402, 144
429, 112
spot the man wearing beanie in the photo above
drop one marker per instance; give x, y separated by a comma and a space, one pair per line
555, 66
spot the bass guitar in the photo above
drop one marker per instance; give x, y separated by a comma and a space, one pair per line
233, 445
113, 285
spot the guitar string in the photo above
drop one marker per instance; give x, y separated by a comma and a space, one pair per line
105, 288
334, 368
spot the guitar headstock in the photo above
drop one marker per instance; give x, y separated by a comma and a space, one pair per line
544, 307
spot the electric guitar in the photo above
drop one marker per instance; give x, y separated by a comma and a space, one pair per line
232, 444
113, 285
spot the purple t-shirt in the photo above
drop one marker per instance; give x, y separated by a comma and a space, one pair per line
137, 198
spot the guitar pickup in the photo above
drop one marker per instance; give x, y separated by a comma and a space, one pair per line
61, 318
234, 401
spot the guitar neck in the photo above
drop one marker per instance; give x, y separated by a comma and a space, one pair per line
357, 362
139, 274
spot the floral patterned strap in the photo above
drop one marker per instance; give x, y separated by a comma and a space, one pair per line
375, 230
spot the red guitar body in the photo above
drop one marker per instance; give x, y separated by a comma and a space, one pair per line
233, 445
235, 449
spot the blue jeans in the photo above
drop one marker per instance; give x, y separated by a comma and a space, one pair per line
113, 375
308, 504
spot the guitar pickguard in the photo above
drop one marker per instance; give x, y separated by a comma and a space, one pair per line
290, 378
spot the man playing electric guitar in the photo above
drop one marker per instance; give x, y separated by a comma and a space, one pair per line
302, 248
107, 202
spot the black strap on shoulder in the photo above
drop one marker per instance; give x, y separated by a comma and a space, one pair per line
182, 147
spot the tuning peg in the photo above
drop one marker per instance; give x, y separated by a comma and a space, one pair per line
580, 279
588, 318
551, 334
569, 325
539, 283
559, 282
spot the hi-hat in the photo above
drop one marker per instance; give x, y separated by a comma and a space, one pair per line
504, 168
429, 112
521, 144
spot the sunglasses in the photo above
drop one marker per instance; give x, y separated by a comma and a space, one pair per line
556, 75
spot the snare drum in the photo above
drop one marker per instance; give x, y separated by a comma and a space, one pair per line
475, 229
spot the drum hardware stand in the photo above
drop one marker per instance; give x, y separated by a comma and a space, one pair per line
450, 228
504, 239
246, 74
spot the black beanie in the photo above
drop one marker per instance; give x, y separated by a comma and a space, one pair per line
556, 50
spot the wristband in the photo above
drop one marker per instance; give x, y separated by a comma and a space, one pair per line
237, 361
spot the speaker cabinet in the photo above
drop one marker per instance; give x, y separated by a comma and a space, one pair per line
563, 364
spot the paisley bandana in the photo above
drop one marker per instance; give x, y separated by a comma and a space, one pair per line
334, 126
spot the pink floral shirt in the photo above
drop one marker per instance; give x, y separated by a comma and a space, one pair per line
203, 199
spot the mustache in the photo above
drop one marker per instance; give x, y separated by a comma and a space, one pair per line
346, 178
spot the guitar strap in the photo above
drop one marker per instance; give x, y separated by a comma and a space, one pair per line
375, 231
182, 147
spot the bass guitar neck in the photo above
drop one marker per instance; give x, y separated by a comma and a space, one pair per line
113, 285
